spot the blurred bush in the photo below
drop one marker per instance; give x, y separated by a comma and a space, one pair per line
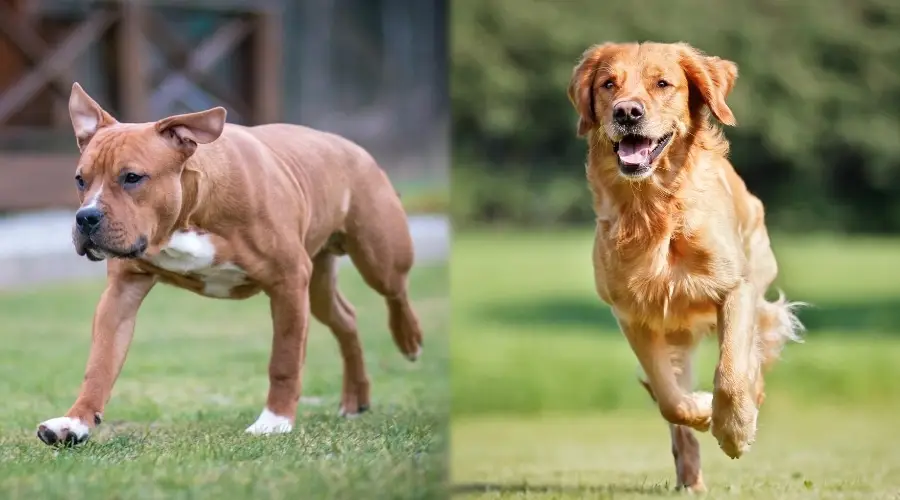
817, 101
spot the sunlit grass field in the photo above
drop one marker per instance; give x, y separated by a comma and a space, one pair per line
196, 376
546, 403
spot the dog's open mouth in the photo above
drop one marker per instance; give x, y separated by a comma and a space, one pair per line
637, 153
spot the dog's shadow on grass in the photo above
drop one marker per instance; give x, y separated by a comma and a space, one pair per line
585, 313
594, 491
588, 315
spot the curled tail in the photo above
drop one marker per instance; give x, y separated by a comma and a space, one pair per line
776, 324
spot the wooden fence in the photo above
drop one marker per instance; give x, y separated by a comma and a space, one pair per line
372, 70
45, 46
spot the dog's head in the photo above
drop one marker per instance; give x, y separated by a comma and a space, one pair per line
129, 175
643, 98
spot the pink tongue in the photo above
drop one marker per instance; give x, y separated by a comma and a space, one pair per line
634, 151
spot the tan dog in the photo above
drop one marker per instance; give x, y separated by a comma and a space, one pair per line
228, 211
681, 247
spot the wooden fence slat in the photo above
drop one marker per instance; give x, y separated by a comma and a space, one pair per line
32, 46
197, 65
131, 70
268, 58
87, 32
35, 181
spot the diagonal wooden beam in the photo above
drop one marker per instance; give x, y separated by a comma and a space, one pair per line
193, 67
32, 46
55, 63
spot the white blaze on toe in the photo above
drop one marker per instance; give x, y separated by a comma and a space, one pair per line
415, 356
62, 426
270, 423
346, 414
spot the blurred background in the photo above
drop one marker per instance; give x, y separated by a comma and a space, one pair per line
375, 71
545, 397
372, 70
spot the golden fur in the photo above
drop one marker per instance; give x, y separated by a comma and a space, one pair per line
682, 251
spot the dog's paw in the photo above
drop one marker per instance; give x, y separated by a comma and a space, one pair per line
348, 412
704, 401
65, 431
270, 423
734, 424
414, 356
698, 488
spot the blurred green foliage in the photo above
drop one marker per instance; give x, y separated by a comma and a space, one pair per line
817, 103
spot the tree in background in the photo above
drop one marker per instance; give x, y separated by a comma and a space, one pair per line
817, 102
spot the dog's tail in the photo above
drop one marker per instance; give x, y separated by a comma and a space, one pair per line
776, 324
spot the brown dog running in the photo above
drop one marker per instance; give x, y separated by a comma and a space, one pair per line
681, 247
228, 211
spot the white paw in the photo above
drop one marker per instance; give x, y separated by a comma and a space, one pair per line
270, 423
342, 412
63, 430
703, 399
415, 355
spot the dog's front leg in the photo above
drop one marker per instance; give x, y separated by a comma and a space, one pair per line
290, 317
734, 403
692, 409
113, 329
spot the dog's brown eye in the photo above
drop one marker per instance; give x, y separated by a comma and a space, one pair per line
132, 179
609, 84
662, 84
79, 181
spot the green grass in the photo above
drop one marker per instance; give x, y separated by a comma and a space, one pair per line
196, 377
544, 388
424, 197
810, 453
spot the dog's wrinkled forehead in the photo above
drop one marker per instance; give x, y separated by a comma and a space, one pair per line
120, 146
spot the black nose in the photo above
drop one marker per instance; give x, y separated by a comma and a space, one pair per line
88, 218
628, 112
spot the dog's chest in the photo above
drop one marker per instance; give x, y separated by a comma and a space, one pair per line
670, 284
192, 255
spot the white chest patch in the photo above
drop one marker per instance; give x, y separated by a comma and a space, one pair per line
189, 252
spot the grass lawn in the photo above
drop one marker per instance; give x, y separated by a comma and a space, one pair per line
545, 402
196, 377
425, 197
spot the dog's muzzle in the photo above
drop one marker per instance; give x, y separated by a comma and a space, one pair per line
88, 219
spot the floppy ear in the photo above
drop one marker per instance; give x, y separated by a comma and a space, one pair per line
87, 116
713, 77
184, 132
581, 87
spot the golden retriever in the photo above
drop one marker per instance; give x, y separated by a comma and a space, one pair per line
681, 248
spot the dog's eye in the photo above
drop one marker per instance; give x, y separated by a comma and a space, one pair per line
79, 181
662, 84
132, 178
609, 84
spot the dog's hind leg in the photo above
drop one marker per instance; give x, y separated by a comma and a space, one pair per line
685, 447
330, 308
380, 245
